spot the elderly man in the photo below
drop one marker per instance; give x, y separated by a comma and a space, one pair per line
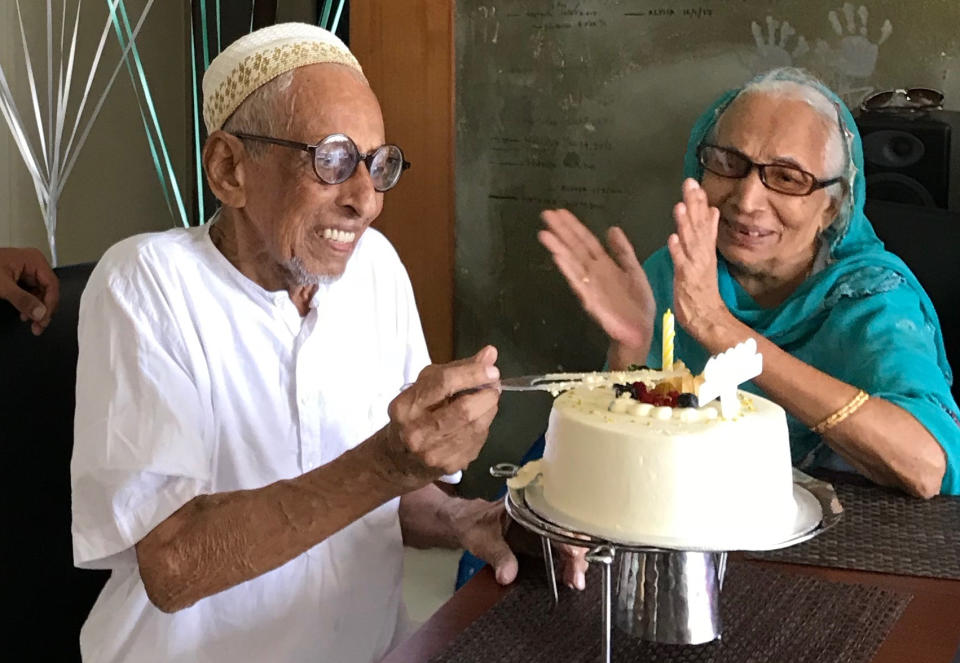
249, 458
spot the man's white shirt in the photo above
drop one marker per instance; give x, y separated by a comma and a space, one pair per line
194, 380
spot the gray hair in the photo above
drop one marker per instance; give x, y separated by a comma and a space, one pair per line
793, 83
260, 113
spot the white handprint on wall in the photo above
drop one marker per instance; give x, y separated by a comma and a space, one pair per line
491, 25
855, 55
772, 50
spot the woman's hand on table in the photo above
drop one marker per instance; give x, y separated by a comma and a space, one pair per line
614, 291
482, 528
693, 248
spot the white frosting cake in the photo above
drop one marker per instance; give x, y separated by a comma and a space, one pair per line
670, 476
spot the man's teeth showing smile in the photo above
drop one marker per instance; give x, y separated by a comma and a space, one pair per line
341, 236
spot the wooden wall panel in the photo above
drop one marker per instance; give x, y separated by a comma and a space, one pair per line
406, 50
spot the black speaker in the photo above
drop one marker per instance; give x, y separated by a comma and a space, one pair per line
912, 157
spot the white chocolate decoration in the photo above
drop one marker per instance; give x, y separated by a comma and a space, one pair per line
726, 371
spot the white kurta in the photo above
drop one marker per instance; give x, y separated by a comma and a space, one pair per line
192, 379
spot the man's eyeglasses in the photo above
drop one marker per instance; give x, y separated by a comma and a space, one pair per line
915, 98
336, 157
781, 178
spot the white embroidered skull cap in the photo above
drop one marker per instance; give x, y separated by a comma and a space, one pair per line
261, 56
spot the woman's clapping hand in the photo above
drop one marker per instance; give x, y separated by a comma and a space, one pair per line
693, 249
612, 287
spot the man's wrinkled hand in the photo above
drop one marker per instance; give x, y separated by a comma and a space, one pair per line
482, 528
440, 422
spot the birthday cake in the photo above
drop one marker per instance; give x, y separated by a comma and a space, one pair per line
646, 462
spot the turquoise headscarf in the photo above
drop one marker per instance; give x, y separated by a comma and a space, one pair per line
864, 318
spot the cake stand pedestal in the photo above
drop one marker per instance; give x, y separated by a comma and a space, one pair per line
664, 593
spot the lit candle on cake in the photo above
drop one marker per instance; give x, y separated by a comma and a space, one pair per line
668, 333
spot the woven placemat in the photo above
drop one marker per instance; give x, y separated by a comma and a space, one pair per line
885, 531
767, 616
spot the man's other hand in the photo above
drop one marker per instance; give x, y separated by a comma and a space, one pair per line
482, 527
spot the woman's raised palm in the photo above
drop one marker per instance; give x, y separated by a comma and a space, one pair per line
614, 291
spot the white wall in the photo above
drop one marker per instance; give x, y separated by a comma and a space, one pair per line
113, 192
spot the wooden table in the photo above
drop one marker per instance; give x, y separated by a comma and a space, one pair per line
927, 632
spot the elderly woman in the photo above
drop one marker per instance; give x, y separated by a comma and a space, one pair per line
772, 243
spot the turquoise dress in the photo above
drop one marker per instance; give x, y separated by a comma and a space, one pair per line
862, 318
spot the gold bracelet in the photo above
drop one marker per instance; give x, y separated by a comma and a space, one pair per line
842, 413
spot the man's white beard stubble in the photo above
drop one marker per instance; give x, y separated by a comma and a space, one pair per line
301, 276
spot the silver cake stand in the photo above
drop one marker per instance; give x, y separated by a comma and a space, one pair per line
664, 593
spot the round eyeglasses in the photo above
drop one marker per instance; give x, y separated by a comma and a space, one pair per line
778, 177
336, 157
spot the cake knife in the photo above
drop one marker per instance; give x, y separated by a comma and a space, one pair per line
557, 382
551, 382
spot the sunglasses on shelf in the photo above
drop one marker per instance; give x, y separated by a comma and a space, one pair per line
914, 98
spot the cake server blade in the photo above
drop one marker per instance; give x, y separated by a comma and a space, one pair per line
557, 382
524, 383
521, 383
549, 382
